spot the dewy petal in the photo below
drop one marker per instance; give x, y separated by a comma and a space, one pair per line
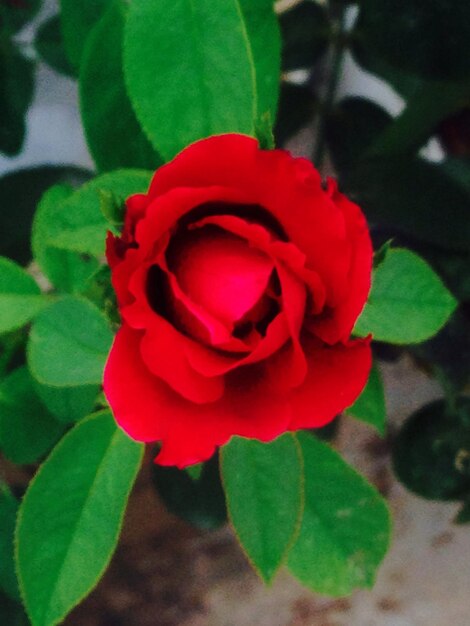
148, 410
336, 376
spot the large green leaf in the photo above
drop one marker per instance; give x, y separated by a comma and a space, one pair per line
14, 14
75, 223
264, 491
50, 46
432, 103
408, 302
262, 27
69, 343
16, 93
199, 75
27, 429
20, 192
20, 296
426, 200
78, 18
68, 404
431, 451
351, 128
71, 515
345, 529
430, 39
113, 133
370, 406
8, 512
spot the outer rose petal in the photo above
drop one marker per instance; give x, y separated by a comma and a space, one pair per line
338, 324
148, 410
336, 376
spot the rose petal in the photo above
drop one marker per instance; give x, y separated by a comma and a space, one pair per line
147, 409
336, 376
338, 323
221, 272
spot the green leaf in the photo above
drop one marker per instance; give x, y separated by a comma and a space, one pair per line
113, 133
430, 104
439, 356
77, 19
20, 192
12, 613
8, 511
431, 453
264, 491
345, 530
14, 15
297, 106
370, 406
66, 270
50, 46
20, 297
71, 516
113, 209
198, 500
75, 222
27, 430
69, 344
413, 35
262, 27
207, 61
305, 35
352, 127
16, 93
408, 302
426, 200
68, 404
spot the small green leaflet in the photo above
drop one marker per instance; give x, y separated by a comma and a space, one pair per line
69, 230
263, 485
20, 296
71, 516
408, 302
370, 406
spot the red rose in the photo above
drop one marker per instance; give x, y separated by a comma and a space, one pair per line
239, 277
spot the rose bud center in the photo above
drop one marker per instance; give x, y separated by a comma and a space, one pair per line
230, 280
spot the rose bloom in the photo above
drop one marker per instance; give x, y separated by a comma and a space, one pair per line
239, 277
